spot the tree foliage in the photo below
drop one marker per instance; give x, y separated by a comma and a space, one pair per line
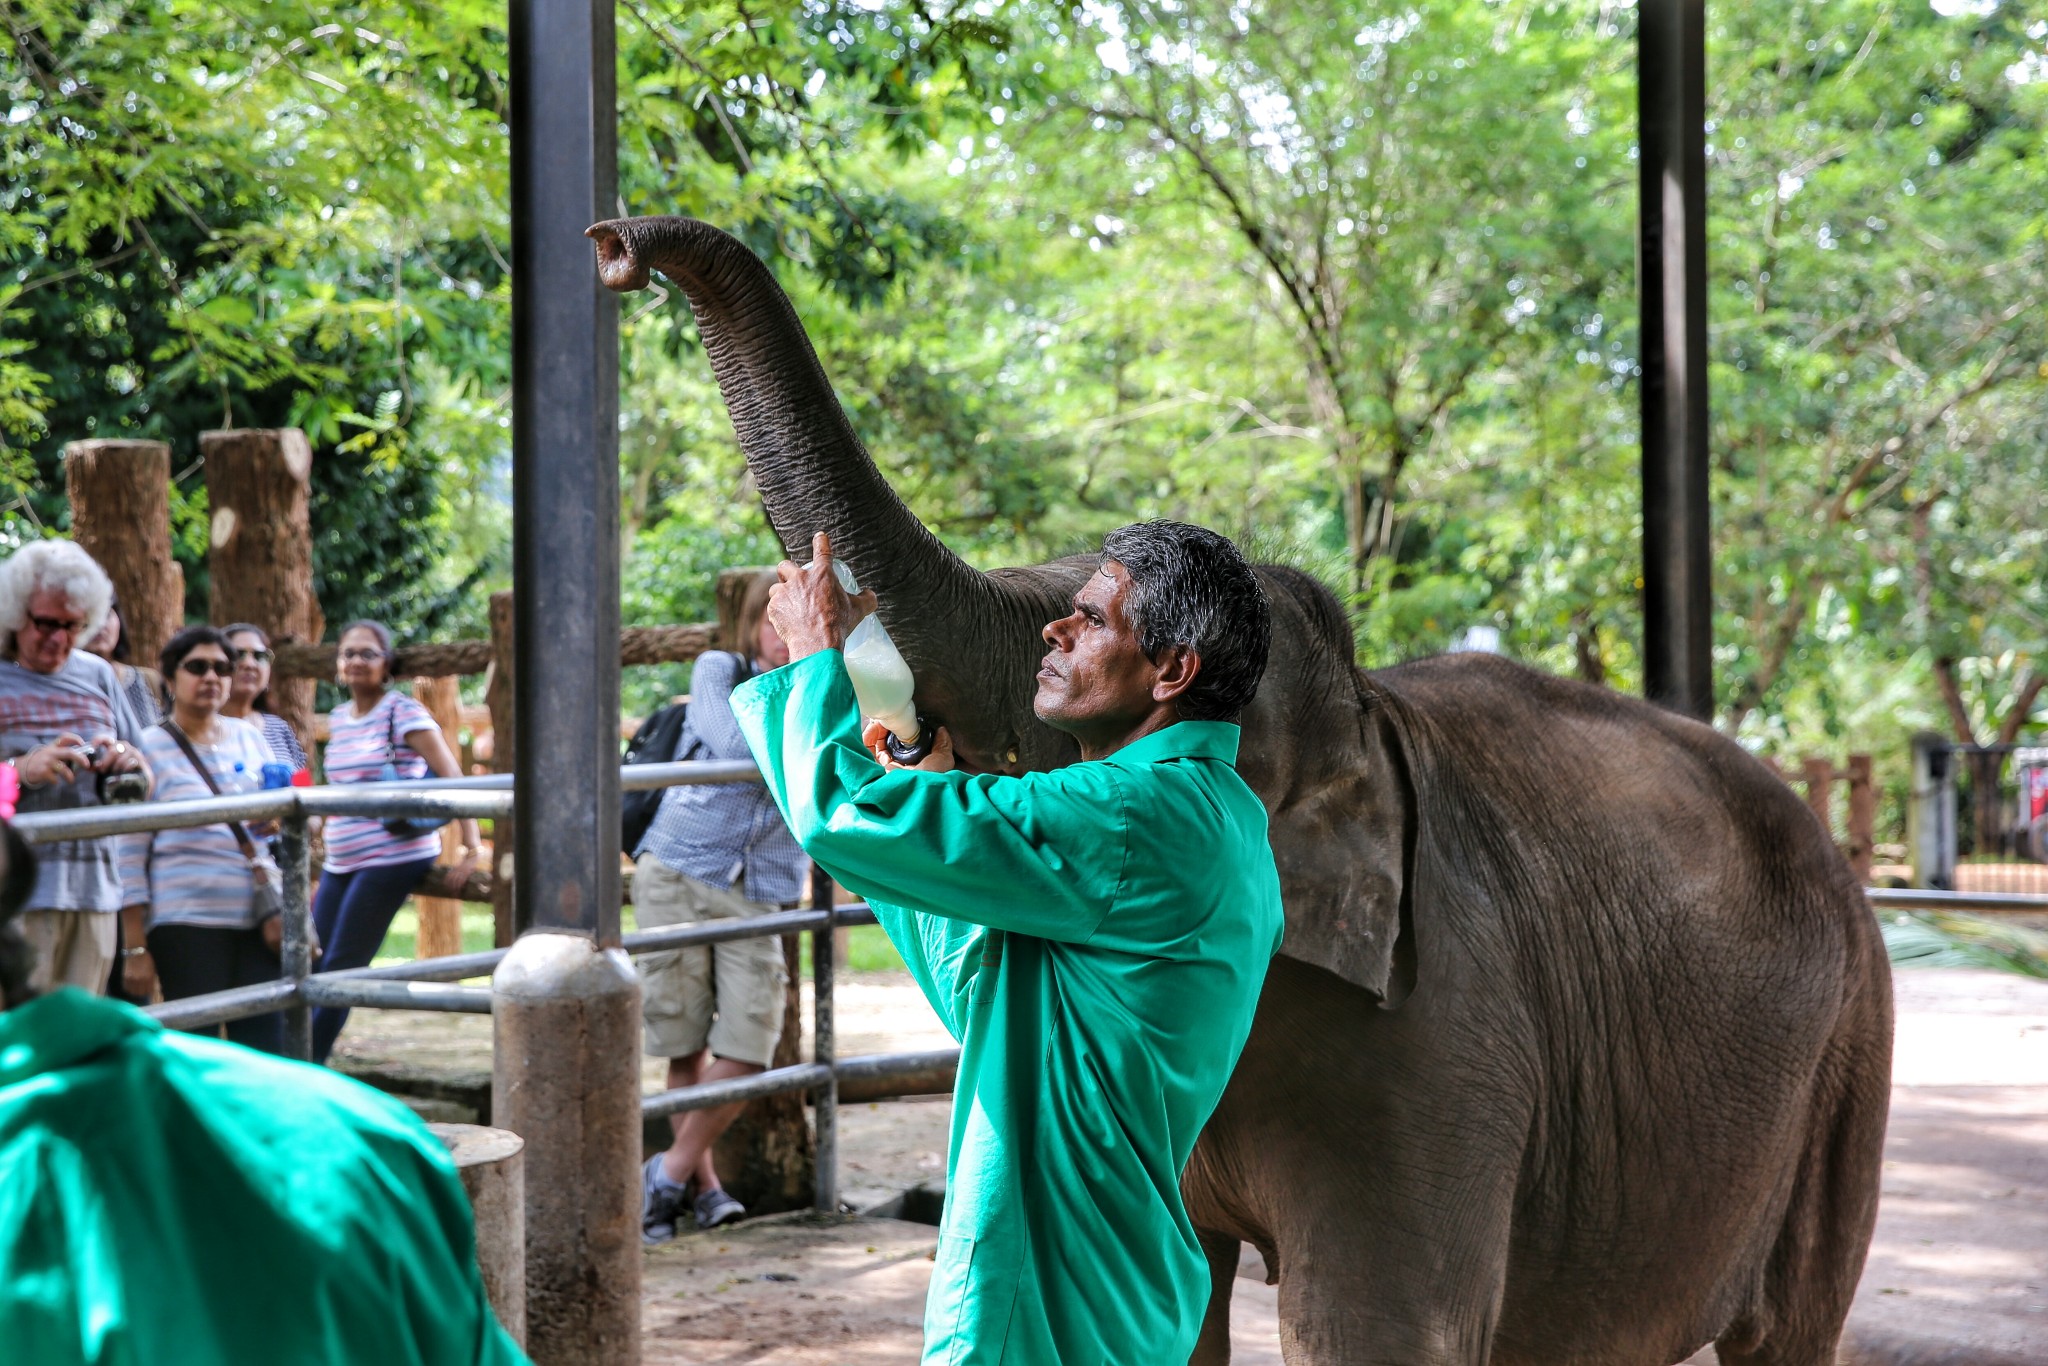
1354, 282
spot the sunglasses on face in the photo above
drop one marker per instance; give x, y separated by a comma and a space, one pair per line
260, 656
51, 626
200, 668
361, 656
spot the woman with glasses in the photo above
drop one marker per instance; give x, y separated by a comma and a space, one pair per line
370, 871
65, 724
192, 894
249, 692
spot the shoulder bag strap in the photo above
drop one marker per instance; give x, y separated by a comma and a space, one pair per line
184, 742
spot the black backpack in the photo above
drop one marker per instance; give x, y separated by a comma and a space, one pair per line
655, 743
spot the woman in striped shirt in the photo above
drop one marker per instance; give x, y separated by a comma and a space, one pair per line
197, 887
369, 871
249, 693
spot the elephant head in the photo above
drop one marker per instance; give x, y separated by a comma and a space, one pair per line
1318, 747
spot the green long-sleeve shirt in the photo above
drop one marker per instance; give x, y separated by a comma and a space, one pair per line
1096, 938
171, 1200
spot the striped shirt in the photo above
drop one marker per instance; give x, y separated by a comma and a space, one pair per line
84, 698
198, 876
719, 833
283, 740
358, 747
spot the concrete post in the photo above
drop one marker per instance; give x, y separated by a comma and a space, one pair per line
494, 1177
566, 1078
1931, 813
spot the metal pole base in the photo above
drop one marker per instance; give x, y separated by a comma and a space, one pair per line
566, 1078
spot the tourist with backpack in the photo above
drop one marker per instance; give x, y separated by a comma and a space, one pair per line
713, 851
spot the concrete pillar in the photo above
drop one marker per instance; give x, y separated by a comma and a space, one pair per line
566, 1078
494, 1176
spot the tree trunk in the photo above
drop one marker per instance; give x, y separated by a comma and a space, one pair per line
121, 515
765, 1159
260, 564
441, 918
498, 696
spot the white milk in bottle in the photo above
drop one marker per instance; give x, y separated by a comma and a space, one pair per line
882, 683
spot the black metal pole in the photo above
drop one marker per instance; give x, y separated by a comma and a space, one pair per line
565, 471
1678, 604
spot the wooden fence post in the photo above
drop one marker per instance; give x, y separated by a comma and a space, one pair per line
440, 931
260, 564
1820, 781
1862, 815
120, 495
498, 696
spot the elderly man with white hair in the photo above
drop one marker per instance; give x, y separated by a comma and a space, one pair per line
64, 722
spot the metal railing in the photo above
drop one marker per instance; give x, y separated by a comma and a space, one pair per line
432, 983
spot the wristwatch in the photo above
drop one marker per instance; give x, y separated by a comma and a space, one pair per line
133, 950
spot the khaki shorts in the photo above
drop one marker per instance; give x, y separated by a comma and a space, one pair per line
72, 948
728, 996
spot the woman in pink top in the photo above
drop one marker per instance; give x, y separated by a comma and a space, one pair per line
369, 871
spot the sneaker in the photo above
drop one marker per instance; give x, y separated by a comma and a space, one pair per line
662, 1203
715, 1207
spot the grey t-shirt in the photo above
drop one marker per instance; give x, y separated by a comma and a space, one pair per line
85, 699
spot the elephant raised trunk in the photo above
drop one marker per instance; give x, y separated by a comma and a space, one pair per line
814, 475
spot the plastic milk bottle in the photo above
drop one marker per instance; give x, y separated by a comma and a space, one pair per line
881, 680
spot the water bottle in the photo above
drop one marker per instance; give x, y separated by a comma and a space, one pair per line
882, 681
276, 775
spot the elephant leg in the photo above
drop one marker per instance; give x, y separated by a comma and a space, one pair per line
1213, 1347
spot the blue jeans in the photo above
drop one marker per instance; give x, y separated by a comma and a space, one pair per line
352, 912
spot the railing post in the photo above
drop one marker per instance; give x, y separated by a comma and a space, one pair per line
292, 860
825, 1179
1931, 813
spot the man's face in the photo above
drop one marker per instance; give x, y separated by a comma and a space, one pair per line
1096, 676
46, 639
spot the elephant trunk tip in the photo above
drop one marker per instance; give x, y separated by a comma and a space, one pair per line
618, 266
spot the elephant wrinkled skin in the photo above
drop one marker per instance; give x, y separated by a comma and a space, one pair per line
1578, 1049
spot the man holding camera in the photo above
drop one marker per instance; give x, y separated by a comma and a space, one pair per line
67, 729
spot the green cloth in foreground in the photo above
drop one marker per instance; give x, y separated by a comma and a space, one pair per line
1096, 938
169, 1199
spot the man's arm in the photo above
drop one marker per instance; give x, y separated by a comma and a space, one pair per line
1041, 855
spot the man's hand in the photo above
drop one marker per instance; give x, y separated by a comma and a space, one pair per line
56, 762
138, 975
808, 609
875, 736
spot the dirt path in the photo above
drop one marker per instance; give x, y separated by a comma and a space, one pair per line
1958, 1270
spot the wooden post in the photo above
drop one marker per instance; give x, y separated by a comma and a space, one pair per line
498, 696
441, 918
1862, 815
1820, 781
260, 565
121, 516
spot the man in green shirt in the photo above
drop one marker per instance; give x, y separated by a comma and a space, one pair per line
169, 1199
1094, 936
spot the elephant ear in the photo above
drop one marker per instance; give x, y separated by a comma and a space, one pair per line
1347, 849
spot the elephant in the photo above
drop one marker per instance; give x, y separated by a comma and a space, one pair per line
1578, 1046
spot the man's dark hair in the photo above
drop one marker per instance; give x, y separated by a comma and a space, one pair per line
1192, 587
188, 640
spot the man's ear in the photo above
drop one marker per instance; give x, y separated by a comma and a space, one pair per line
1178, 666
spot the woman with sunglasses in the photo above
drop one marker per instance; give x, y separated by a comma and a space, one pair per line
249, 693
369, 871
194, 891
